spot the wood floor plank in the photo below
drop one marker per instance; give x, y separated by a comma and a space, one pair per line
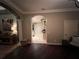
40, 51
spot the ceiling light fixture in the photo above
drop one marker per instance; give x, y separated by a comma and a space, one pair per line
77, 3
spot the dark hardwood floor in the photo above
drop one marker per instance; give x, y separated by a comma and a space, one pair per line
38, 51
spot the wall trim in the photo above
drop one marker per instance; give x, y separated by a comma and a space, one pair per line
53, 11
9, 8
13, 6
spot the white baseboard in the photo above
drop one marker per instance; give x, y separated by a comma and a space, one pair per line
54, 43
47, 43
43, 43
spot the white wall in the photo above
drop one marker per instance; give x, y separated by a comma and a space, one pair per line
56, 27
26, 28
70, 28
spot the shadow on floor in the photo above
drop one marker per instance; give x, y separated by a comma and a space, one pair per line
42, 51
6, 49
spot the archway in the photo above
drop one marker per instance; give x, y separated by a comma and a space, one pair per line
12, 10
14, 27
39, 33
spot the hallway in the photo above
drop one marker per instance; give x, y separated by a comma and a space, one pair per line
38, 25
38, 40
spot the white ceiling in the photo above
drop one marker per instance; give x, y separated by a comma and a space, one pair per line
35, 5
26, 6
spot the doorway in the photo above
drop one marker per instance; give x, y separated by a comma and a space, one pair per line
38, 29
8, 27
